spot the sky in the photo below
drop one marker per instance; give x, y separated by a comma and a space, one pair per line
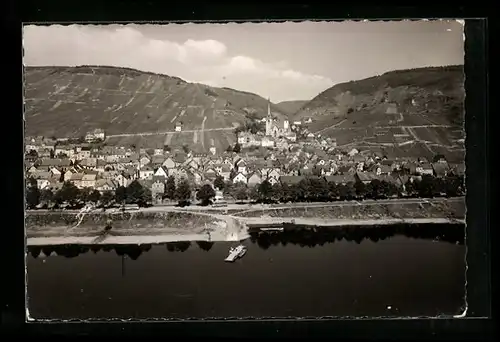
281, 61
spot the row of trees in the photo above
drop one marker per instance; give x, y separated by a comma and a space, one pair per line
73, 197
319, 190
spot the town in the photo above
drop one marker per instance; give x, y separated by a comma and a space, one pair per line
267, 164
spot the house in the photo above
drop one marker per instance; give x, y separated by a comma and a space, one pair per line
267, 142
425, 169
410, 168
440, 169
42, 184
96, 134
161, 172
254, 179
197, 177
55, 173
290, 180
83, 153
225, 172
241, 166
88, 180
143, 161
158, 187
365, 177
32, 169
457, 169
60, 164
88, 163
146, 172
105, 185
122, 180
274, 173
381, 169
213, 150
169, 163
240, 178
352, 152
341, 179
157, 160
178, 126
158, 152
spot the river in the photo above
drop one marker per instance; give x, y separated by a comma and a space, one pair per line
397, 271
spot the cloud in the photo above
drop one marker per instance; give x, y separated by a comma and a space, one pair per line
203, 61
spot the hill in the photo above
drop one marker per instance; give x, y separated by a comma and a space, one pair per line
70, 101
421, 109
291, 107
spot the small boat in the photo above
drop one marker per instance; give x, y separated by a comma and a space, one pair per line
235, 253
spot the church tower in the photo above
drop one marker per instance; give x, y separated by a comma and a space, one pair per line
269, 119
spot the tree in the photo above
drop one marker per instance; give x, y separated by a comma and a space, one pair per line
170, 188
333, 191
237, 148
426, 186
32, 193
107, 198
68, 193
120, 195
219, 183
205, 194
52, 155
277, 193
84, 195
33, 153
95, 196
253, 193
46, 196
185, 148
437, 157
183, 192
62, 155
240, 192
265, 190
229, 149
166, 148
138, 194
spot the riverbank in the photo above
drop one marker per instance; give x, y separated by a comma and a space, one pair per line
170, 224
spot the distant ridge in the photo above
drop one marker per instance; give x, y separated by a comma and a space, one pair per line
69, 101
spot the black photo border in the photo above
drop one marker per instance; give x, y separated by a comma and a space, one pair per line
477, 173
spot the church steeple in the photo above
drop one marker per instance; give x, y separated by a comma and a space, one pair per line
268, 107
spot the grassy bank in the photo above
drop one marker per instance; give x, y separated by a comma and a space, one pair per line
454, 210
128, 223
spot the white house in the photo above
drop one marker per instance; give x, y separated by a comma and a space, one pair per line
161, 172
213, 150
144, 161
267, 142
104, 185
254, 179
42, 184
241, 166
240, 178
178, 127
146, 172
353, 152
121, 180
169, 163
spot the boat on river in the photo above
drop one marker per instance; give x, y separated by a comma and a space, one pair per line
235, 253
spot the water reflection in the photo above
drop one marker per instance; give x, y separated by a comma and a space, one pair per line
307, 237
296, 235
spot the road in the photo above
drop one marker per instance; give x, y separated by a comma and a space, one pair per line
394, 126
169, 132
252, 207
249, 207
